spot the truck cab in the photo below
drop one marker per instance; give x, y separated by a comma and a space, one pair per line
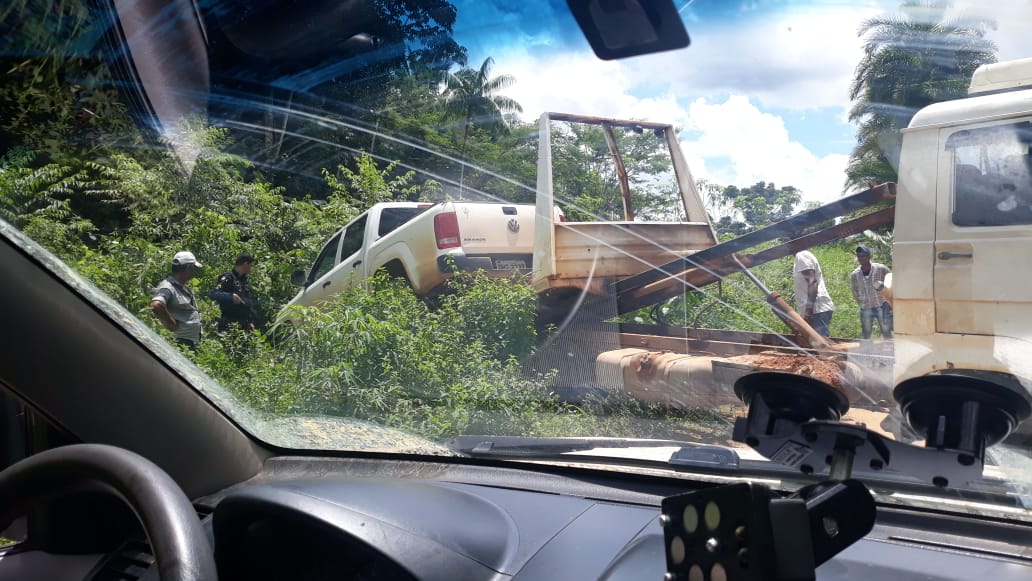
963, 284
341, 262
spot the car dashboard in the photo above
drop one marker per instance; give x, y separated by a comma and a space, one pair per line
369, 518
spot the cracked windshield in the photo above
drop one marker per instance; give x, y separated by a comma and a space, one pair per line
450, 227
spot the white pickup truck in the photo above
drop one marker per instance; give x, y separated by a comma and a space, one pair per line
422, 243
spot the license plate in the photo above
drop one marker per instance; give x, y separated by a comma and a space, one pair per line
510, 264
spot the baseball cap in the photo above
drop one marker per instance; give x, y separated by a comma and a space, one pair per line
185, 257
863, 250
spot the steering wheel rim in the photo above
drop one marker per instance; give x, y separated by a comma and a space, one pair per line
181, 547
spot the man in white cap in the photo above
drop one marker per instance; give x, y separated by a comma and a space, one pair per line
174, 304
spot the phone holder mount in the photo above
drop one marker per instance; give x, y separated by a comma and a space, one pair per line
747, 532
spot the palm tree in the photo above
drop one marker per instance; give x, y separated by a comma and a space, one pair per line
471, 95
911, 60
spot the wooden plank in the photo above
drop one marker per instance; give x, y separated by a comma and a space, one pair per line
611, 250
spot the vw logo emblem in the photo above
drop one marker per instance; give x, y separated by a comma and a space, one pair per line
514, 225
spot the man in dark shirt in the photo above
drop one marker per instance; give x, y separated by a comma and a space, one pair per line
233, 294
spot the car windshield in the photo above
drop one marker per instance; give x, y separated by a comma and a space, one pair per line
521, 231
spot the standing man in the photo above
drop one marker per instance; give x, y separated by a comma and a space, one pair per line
865, 282
812, 298
174, 304
233, 294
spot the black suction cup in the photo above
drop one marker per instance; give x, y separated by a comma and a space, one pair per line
792, 397
963, 413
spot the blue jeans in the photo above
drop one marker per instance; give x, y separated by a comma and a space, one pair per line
821, 322
882, 314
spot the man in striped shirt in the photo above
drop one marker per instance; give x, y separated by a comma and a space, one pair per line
865, 282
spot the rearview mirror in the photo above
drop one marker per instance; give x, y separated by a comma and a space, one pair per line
618, 29
299, 277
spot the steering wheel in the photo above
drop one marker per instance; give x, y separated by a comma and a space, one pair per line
180, 545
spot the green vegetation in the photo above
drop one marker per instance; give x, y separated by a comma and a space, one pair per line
383, 355
737, 304
276, 173
911, 60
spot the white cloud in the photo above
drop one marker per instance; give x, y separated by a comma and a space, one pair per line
726, 142
717, 91
719, 88
800, 58
733, 142
1011, 20
582, 84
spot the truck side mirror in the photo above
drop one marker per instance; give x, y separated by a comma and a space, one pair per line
299, 277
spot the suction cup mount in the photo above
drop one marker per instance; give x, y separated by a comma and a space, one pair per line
793, 420
746, 532
962, 413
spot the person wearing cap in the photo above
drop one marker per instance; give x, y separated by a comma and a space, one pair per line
866, 281
174, 304
233, 294
812, 298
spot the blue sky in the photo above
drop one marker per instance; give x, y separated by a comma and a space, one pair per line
762, 92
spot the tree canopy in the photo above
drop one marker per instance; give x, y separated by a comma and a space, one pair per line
921, 56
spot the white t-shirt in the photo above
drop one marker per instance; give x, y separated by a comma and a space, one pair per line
805, 260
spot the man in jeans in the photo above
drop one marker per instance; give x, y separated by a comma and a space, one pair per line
174, 304
812, 299
865, 281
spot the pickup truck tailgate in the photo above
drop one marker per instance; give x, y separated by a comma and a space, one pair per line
496, 229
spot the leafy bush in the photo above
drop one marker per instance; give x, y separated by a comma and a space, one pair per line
383, 355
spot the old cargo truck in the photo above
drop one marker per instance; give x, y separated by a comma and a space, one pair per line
962, 289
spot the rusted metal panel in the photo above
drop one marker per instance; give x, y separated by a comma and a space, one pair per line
718, 267
615, 249
786, 228
672, 379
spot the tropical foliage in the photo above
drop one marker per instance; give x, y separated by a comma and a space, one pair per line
274, 171
921, 56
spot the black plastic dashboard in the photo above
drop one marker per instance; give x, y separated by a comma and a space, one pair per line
375, 518
366, 519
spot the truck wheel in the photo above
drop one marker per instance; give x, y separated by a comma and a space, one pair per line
395, 270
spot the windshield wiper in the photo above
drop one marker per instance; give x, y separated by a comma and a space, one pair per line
687, 453
705, 458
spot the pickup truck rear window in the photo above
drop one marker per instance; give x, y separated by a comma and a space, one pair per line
391, 218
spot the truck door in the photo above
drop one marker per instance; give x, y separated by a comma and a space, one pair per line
983, 235
352, 269
318, 283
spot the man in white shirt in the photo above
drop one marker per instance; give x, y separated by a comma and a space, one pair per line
812, 299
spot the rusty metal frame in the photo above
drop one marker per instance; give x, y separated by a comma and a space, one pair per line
788, 227
690, 200
720, 265
621, 171
653, 286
